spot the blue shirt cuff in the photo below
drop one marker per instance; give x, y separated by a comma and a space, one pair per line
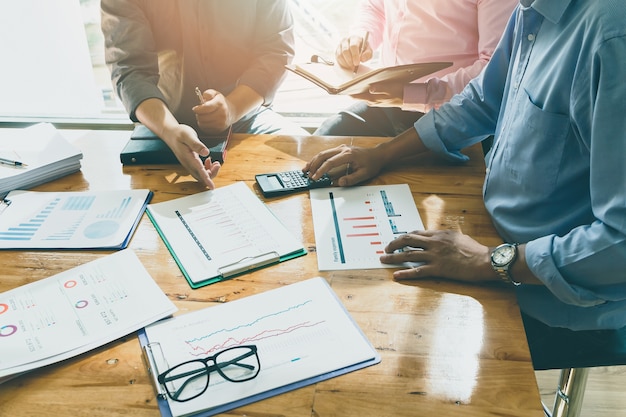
541, 262
427, 130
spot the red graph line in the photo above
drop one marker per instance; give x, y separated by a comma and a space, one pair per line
362, 234
265, 334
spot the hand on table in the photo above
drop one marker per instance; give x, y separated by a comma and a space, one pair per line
442, 253
385, 94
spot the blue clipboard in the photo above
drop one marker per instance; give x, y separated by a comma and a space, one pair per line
164, 407
152, 360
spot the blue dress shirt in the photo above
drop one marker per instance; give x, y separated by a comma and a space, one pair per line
554, 97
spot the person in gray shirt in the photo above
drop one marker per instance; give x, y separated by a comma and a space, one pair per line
235, 52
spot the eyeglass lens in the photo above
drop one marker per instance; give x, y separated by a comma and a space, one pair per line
189, 380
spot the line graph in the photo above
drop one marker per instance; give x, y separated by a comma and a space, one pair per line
265, 334
302, 333
271, 325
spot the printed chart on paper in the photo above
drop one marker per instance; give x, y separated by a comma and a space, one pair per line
353, 225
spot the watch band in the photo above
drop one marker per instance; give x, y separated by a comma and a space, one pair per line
506, 277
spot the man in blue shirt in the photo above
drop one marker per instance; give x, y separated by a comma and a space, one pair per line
555, 185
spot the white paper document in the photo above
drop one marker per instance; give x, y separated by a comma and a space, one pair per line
77, 310
353, 225
217, 234
302, 332
70, 220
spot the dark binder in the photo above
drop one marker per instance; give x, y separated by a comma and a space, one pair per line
146, 148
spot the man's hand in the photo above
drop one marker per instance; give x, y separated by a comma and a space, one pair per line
388, 94
187, 147
354, 164
216, 114
443, 253
348, 53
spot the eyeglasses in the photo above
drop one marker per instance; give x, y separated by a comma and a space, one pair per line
190, 379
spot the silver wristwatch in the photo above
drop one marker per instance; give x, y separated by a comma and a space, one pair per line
502, 258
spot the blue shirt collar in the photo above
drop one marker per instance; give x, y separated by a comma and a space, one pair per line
552, 10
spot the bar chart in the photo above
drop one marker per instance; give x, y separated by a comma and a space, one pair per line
353, 225
71, 219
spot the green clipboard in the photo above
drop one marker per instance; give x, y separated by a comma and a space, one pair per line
190, 238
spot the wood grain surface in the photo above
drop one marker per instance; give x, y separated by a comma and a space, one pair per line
448, 349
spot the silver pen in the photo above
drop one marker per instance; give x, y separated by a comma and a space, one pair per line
200, 97
12, 162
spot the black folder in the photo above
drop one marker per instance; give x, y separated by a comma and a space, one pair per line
146, 148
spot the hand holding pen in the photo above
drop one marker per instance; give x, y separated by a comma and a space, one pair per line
200, 96
213, 112
352, 51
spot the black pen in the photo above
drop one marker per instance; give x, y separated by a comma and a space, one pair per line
11, 162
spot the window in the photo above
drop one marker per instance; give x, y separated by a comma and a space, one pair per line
53, 54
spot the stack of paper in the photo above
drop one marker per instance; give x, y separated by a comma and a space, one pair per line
75, 311
44, 155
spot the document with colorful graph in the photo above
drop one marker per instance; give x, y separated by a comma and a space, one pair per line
302, 334
77, 310
70, 219
353, 225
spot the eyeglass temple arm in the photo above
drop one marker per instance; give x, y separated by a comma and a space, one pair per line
192, 375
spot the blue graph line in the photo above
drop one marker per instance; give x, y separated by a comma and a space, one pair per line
198, 339
342, 256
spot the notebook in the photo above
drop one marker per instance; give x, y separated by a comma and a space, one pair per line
337, 80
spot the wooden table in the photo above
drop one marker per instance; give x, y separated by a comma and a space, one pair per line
448, 349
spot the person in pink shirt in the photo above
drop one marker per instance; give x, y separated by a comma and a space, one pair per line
464, 32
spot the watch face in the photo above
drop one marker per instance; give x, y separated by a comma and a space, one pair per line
503, 255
